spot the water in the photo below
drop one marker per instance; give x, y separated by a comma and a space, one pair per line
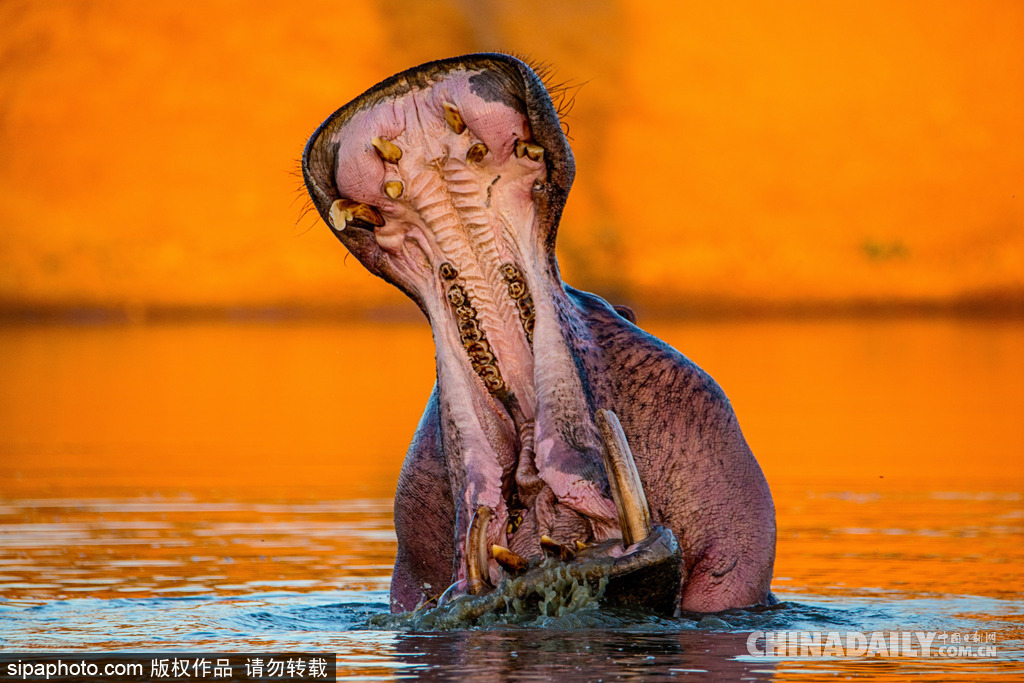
215, 487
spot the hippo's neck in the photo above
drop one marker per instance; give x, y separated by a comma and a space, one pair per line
520, 438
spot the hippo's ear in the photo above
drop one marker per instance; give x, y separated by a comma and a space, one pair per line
626, 312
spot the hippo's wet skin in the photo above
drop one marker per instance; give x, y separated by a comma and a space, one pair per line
448, 180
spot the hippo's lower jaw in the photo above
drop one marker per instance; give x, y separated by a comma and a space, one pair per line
448, 181
646, 576
643, 567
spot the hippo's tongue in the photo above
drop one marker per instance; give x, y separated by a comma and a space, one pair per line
448, 181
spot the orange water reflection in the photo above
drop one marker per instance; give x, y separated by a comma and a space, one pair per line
220, 458
307, 411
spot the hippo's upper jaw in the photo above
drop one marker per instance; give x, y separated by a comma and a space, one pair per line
448, 181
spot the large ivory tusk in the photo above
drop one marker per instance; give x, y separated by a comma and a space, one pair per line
476, 552
627, 489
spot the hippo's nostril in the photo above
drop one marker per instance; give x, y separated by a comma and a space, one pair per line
387, 150
345, 212
453, 118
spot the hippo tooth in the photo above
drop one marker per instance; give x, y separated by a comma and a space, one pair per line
548, 544
453, 118
339, 215
624, 480
394, 188
367, 214
476, 551
476, 153
530, 150
387, 150
512, 563
345, 212
447, 271
555, 549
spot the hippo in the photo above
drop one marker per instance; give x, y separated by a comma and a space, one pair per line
556, 427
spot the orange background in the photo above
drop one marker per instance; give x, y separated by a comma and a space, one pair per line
780, 154
766, 156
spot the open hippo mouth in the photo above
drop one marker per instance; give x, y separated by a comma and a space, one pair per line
449, 180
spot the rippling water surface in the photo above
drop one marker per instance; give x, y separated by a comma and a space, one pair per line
227, 487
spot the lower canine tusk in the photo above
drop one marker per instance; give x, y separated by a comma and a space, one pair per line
624, 480
476, 551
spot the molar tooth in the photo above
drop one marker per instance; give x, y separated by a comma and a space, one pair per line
387, 150
456, 294
476, 153
345, 211
453, 118
447, 271
476, 551
529, 149
624, 480
512, 563
479, 351
470, 331
394, 188
491, 378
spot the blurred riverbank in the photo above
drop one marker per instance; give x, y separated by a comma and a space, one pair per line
790, 156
